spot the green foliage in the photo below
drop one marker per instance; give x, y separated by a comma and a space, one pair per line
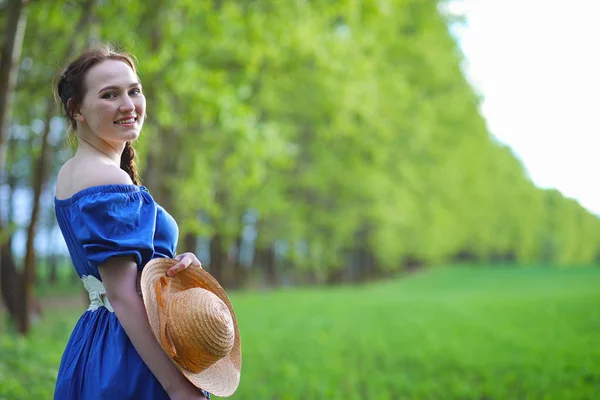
459, 333
345, 125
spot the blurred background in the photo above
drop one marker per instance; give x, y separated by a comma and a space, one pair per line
398, 194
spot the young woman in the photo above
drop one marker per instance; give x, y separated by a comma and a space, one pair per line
112, 227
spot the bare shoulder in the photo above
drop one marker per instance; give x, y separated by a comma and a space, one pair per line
77, 175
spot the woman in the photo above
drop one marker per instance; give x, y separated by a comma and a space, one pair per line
112, 228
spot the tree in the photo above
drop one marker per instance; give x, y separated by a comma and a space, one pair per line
9, 67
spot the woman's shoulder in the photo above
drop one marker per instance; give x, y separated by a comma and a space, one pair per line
77, 176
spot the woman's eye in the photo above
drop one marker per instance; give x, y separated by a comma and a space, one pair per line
109, 95
135, 91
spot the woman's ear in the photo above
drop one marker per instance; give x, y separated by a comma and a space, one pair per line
77, 116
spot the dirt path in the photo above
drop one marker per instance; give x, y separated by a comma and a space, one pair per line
57, 302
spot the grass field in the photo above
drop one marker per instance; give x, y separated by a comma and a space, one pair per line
461, 333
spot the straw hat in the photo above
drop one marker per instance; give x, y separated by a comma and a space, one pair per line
193, 320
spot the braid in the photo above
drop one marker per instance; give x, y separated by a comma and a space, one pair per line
128, 163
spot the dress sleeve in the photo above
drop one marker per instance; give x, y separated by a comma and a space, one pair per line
116, 225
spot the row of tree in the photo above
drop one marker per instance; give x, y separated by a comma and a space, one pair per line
343, 133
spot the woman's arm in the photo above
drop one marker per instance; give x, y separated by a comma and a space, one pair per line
119, 275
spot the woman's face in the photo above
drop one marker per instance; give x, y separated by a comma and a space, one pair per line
113, 107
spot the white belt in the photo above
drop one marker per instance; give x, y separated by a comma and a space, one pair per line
97, 293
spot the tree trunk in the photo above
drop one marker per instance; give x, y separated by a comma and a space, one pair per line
53, 266
366, 268
10, 277
239, 272
334, 276
10, 56
10, 280
189, 243
218, 258
16, 20
40, 175
265, 258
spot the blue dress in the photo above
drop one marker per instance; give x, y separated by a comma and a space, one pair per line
99, 361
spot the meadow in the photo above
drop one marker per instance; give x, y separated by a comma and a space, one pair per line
469, 333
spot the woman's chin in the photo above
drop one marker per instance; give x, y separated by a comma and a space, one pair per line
133, 136
127, 135
119, 135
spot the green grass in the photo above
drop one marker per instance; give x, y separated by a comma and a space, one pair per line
460, 333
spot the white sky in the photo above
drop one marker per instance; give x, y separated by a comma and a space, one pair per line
537, 63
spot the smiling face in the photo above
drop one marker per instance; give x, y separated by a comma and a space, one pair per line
113, 107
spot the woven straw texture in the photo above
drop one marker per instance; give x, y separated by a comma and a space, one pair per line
193, 320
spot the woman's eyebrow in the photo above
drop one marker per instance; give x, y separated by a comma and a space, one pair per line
113, 87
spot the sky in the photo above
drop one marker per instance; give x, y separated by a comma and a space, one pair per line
537, 65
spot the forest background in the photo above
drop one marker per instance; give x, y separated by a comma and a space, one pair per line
296, 143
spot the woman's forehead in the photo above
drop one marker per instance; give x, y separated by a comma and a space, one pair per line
110, 73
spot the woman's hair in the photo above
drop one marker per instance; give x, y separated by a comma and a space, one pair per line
69, 90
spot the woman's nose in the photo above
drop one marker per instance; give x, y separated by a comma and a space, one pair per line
127, 105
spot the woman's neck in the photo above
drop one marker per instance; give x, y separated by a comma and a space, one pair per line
93, 144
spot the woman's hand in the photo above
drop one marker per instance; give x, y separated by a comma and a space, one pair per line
185, 260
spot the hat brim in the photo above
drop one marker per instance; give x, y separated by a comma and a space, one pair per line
223, 377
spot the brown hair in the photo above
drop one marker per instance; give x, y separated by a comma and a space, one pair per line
69, 85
